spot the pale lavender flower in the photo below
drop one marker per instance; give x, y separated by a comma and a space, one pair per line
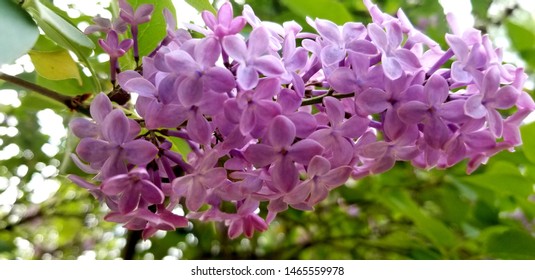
115, 49
321, 180
245, 220
195, 186
225, 23
491, 98
395, 60
117, 145
337, 138
131, 188
196, 73
282, 154
338, 43
253, 58
432, 111
105, 25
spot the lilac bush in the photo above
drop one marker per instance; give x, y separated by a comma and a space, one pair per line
279, 117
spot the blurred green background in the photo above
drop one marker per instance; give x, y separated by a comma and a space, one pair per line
405, 213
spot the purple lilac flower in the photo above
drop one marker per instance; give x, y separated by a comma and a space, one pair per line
490, 98
253, 58
135, 17
115, 49
394, 59
225, 23
321, 180
131, 188
338, 43
282, 154
432, 111
273, 121
105, 25
117, 145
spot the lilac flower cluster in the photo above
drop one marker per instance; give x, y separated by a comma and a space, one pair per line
282, 117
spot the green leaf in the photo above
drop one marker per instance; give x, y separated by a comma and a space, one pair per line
511, 244
528, 140
521, 36
326, 9
58, 29
433, 229
18, 32
201, 5
150, 34
57, 65
180, 146
502, 178
480, 8
68, 86
63, 33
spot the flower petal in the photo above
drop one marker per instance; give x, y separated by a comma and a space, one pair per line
247, 77
506, 97
100, 107
116, 127
413, 112
235, 48
190, 91
139, 151
269, 65
281, 132
150, 192
284, 174
335, 110
474, 108
93, 150
331, 55
260, 155
373, 101
318, 166
304, 150
328, 30
258, 42
436, 90
495, 122
343, 80
220, 79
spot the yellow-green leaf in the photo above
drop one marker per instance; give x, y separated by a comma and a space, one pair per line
57, 65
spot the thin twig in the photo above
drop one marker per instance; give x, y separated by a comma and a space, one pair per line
319, 99
74, 103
